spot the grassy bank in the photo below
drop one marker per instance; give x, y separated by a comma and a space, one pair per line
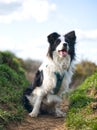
82, 114
12, 84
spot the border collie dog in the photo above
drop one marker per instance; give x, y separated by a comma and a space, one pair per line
53, 77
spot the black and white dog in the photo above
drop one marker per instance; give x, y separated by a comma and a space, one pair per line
53, 77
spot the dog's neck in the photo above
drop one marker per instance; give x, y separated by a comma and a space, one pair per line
61, 62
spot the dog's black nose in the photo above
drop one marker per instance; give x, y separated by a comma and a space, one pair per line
65, 44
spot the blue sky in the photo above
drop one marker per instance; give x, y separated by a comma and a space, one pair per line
25, 24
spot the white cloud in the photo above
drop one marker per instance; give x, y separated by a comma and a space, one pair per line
6, 43
86, 35
36, 9
33, 51
86, 53
86, 49
8, 1
25, 50
86, 45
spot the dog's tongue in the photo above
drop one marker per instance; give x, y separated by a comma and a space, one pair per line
63, 53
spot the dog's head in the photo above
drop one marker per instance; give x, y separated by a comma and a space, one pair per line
62, 45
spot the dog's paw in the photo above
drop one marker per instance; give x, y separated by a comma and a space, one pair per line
33, 114
59, 113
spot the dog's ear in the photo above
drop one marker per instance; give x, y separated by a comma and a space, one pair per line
70, 36
52, 37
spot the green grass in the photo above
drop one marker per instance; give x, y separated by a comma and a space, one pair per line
81, 114
12, 85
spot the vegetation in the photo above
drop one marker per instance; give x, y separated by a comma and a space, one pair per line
31, 67
12, 84
82, 114
83, 70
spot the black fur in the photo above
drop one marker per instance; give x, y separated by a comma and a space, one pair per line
38, 79
70, 38
26, 103
51, 39
37, 83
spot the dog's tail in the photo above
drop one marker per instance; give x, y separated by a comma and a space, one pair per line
25, 100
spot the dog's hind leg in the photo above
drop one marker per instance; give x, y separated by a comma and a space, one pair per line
55, 101
27, 104
25, 101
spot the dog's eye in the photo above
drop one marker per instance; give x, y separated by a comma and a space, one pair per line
57, 41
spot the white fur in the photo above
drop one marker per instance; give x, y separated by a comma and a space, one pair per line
44, 94
60, 46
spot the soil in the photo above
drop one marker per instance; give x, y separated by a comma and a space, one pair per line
42, 122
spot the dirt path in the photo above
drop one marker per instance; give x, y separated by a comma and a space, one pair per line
44, 122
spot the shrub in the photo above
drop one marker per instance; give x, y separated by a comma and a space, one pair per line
82, 71
10, 59
31, 67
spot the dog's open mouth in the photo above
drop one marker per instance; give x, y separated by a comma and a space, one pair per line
63, 52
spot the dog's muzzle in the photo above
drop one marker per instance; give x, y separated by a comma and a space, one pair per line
64, 51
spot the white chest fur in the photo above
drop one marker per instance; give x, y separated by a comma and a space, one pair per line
54, 70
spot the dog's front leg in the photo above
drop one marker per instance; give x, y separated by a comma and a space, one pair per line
37, 103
